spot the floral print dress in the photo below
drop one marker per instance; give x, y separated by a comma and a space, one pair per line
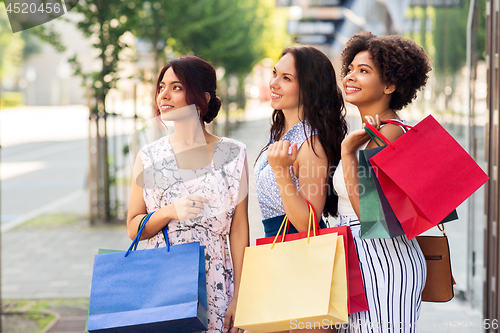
219, 182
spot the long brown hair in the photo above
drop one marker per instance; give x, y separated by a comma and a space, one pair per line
323, 108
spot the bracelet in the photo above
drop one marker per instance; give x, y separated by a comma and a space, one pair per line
162, 230
141, 223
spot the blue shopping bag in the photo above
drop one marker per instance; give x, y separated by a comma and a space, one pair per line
154, 290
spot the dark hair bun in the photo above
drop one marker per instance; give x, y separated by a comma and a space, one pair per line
213, 109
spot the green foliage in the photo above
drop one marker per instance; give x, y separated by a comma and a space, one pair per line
33, 316
14, 47
226, 33
275, 37
450, 37
450, 34
104, 21
153, 21
481, 35
11, 48
55, 221
11, 99
32, 44
48, 34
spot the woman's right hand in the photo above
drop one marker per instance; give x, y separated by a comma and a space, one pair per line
189, 207
357, 138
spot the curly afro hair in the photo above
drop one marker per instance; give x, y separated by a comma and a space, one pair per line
400, 61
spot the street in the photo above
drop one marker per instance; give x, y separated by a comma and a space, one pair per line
43, 160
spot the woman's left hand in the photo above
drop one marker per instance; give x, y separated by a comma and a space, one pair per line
278, 156
357, 138
229, 317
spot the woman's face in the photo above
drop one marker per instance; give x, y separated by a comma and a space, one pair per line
171, 94
362, 84
284, 85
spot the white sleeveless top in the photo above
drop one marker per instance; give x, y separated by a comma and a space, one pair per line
345, 207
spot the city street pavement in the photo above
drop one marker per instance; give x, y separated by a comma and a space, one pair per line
43, 160
57, 262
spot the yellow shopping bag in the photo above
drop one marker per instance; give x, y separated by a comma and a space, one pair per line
296, 284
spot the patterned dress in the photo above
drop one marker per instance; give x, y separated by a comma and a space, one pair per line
219, 182
393, 270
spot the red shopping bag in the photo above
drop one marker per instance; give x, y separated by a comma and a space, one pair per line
356, 298
425, 174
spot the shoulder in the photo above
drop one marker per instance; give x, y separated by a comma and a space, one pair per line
310, 141
229, 151
391, 131
298, 133
234, 143
312, 149
155, 144
150, 152
308, 131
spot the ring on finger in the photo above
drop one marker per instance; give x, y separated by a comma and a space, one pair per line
194, 203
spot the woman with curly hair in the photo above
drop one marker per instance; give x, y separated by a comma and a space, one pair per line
381, 75
307, 129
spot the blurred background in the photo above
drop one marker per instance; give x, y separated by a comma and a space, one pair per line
73, 92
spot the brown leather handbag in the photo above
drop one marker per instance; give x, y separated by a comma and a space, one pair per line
439, 282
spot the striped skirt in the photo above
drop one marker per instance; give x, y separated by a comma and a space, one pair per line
394, 272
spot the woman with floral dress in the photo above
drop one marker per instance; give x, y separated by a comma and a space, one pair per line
196, 183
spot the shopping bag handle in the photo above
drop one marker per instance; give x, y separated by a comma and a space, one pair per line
441, 228
373, 132
162, 230
137, 238
375, 138
313, 224
369, 128
399, 123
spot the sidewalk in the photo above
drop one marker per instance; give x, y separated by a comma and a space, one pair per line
57, 262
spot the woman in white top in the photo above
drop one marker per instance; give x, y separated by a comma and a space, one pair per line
381, 75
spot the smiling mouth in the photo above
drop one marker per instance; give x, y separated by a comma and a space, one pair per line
351, 89
165, 107
275, 95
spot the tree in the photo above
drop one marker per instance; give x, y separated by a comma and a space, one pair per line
155, 21
106, 22
11, 48
234, 35
226, 33
450, 39
274, 21
228, 36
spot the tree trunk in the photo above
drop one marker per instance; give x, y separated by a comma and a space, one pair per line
241, 99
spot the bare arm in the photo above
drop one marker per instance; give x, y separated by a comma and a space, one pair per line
238, 240
181, 209
349, 150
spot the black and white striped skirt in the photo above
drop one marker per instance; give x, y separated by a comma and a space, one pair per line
394, 272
